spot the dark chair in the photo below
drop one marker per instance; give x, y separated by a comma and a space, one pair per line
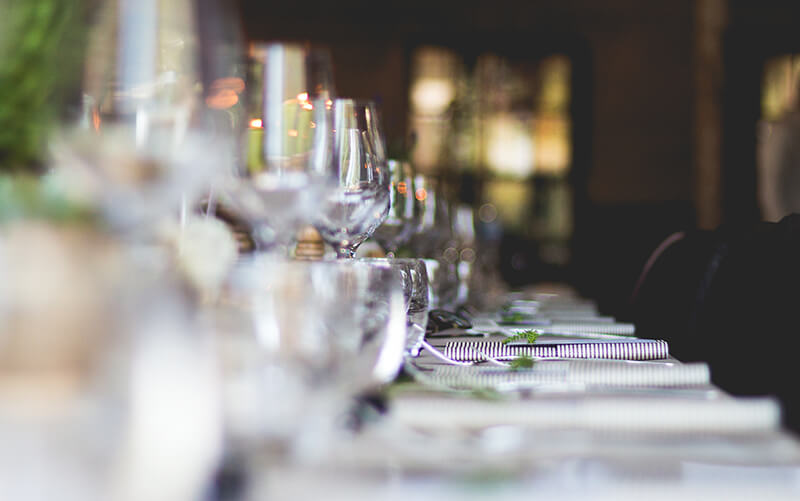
729, 297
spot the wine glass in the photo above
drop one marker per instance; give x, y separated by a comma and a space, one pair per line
359, 202
465, 248
286, 144
143, 143
400, 223
433, 227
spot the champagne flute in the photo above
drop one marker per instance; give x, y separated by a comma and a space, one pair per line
400, 223
359, 202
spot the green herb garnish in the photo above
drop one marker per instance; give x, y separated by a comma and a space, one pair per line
529, 336
515, 317
521, 362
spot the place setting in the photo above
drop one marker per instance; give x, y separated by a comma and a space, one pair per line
244, 267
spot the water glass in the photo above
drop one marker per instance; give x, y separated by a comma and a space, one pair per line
401, 221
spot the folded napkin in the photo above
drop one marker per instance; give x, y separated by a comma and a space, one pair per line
574, 373
629, 349
594, 412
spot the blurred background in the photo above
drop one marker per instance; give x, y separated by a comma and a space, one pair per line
589, 130
583, 133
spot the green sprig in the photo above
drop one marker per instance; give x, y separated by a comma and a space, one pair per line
512, 318
521, 362
529, 336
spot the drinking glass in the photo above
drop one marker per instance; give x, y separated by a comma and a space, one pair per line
443, 280
286, 143
313, 335
142, 144
400, 223
359, 202
433, 228
464, 249
402, 270
413, 275
417, 311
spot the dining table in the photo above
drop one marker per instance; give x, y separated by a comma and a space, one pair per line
473, 415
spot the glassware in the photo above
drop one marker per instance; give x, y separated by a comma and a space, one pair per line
286, 144
400, 223
143, 144
432, 232
359, 203
465, 246
418, 305
412, 273
312, 336
402, 269
443, 280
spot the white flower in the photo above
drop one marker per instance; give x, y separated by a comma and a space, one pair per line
206, 250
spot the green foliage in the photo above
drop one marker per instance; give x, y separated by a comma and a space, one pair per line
529, 336
521, 362
25, 196
513, 318
40, 63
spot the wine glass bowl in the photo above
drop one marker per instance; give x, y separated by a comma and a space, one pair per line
399, 225
359, 202
433, 227
285, 145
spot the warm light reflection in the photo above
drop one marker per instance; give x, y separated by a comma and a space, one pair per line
292, 132
235, 84
779, 85
256, 123
509, 145
95, 119
551, 136
222, 99
432, 96
436, 74
224, 93
402, 188
512, 200
421, 194
430, 139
